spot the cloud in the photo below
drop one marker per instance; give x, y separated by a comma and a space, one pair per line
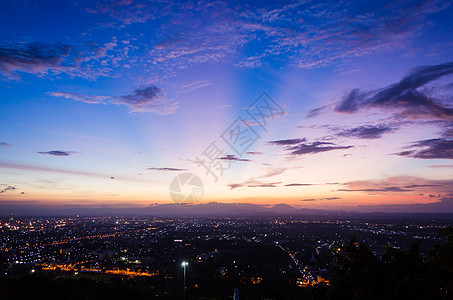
383, 189
5, 145
7, 188
257, 181
298, 184
267, 184
148, 99
231, 157
430, 149
367, 131
287, 142
304, 35
441, 166
320, 199
400, 184
194, 85
254, 153
167, 169
128, 12
299, 147
315, 147
317, 111
33, 57
39, 169
57, 153
405, 96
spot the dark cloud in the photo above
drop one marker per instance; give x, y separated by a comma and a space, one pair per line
287, 142
254, 153
299, 147
404, 95
298, 184
5, 145
6, 188
35, 58
142, 97
383, 189
321, 199
367, 132
430, 149
148, 99
420, 185
57, 153
167, 169
231, 157
315, 147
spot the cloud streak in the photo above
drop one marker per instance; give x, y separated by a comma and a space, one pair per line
5, 145
148, 99
167, 169
400, 184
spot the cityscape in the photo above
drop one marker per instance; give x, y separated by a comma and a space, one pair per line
278, 257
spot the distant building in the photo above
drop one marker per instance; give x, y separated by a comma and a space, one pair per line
236, 294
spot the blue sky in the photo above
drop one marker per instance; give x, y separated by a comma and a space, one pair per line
105, 102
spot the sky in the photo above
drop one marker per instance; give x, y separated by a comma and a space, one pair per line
315, 104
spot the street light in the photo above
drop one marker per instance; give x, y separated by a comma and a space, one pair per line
184, 264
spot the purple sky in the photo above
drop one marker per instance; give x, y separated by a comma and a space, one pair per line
104, 103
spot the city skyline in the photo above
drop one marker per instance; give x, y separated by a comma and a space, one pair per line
104, 103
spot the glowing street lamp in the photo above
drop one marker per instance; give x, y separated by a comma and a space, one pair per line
184, 264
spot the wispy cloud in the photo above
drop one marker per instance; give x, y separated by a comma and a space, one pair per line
5, 145
194, 86
148, 99
39, 169
258, 181
57, 152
